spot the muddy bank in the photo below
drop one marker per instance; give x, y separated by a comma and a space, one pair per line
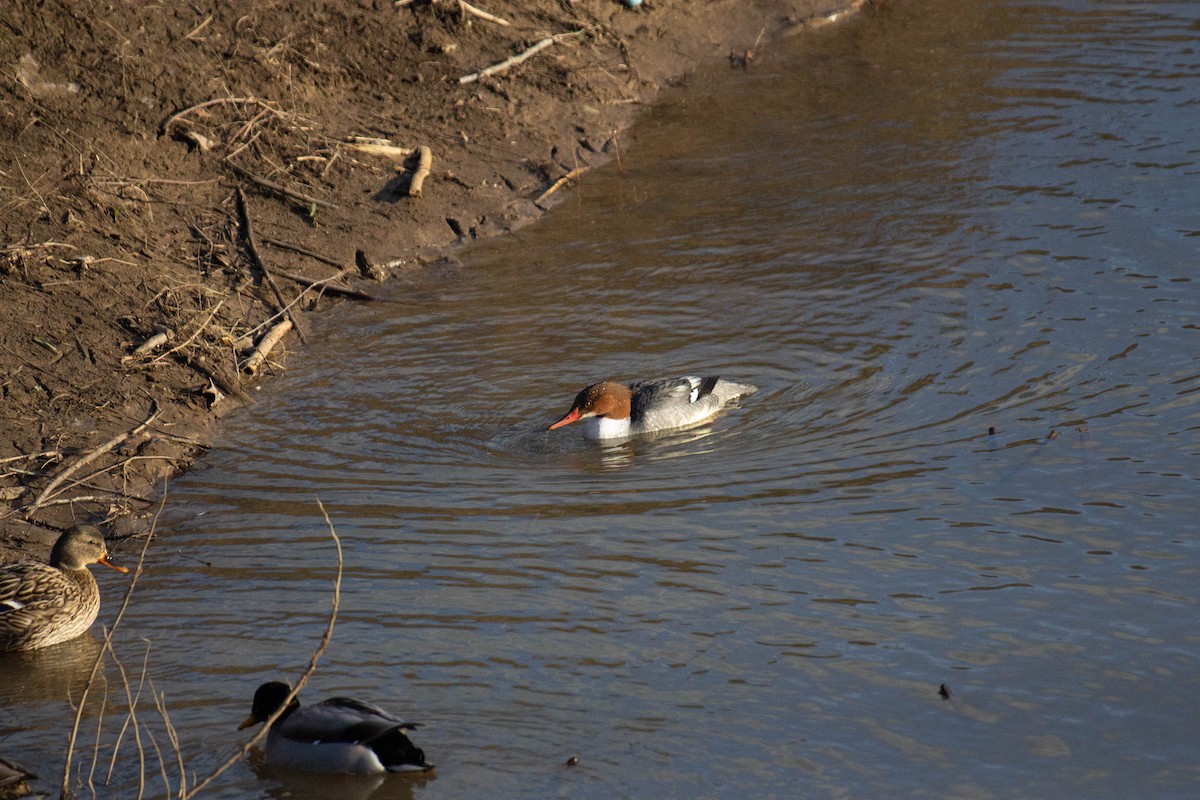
181, 183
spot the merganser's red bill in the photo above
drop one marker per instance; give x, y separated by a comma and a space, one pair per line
614, 410
572, 416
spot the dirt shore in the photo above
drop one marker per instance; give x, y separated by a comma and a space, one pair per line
192, 170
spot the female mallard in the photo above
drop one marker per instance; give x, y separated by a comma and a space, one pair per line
335, 735
44, 604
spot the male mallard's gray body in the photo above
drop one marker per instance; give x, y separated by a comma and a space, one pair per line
613, 410
336, 735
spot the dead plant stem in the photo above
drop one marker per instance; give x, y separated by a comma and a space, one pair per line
192, 338
89, 458
312, 666
171, 120
252, 246
64, 789
131, 719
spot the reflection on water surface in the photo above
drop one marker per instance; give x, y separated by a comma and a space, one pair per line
909, 230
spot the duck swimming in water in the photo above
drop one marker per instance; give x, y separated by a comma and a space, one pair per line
335, 735
46, 603
612, 410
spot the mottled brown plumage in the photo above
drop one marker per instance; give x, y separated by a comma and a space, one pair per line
44, 604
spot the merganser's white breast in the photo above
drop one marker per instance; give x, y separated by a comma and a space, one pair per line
600, 428
612, 410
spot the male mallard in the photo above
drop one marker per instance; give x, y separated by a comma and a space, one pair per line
44, 604
335, 735
14, 779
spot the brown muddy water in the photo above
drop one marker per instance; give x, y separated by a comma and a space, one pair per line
910, 230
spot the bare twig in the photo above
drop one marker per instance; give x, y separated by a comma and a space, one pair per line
278, 187
252, 245
153, 342
91, 782
379, 147
508, 62
88, 498
51, 454
295, 248
242, 131
97, 473
199, 27
424, 164
160, 702
245, 342
265, 345
171, 120
64, 792
326, 284
48, 492
561, 182
197, 332
312, 666
479, 12
131, 701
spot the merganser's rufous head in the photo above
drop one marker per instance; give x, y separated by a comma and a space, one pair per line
607, 399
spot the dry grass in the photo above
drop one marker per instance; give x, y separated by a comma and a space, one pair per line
157, 748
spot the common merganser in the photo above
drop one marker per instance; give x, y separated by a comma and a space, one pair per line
612, 410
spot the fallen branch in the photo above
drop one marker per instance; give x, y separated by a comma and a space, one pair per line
252, 246
281, 314
479, 12
278, 187
157, 340
326, 284
295, 248
424, 164
508, 62
561, 182
215, 377
51, 454
818, 20
265, 345
48, 492
93, 498
171, 120
198, 331
312, 667
123, 494
379, 147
